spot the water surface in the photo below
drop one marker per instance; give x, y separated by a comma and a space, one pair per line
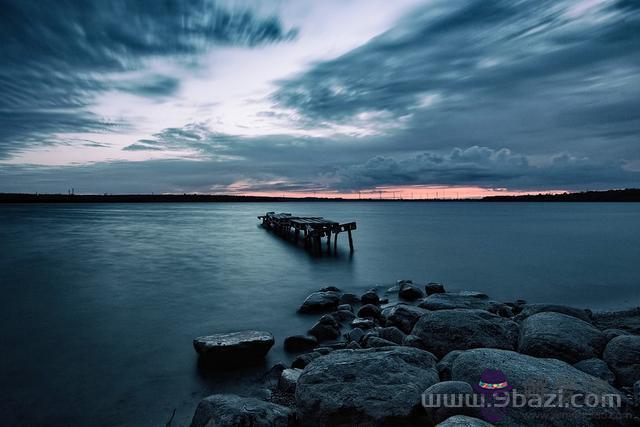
100, 302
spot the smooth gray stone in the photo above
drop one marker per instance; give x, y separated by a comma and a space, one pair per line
321, 301
234, 346
597, 368
622, 354
231, 410
531, 309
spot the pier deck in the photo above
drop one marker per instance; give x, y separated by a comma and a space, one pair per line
309, 230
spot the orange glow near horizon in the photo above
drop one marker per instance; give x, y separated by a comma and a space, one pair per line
404, 193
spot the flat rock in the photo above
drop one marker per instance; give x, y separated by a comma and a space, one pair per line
410, 292
622, 354
234, 347
378, 386
626, 320
297, 343
232, 410
433, 288
530, 375
446, 330
597, 368
556, 335
320, 302
434, 396
288, 380
531, 309
402, 316
463, 421
450, 301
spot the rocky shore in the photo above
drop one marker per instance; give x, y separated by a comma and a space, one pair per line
375, 359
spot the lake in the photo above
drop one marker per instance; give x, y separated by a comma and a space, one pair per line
100, 302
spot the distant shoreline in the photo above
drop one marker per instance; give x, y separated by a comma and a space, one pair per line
626, 195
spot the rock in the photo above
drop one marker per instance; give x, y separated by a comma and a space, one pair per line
636, 391
323, 350
325, 329
463, 421
345, 307
365, 387
473, 294
304, 359
541, 377
349, 299
384, 301
433, 397
410, 292
597, 368
370, 297
369, 311
296, 343
446, 363
373, 341
288, 380
446, 330
355, 334
353, 345
319, 302
531, 309
329, 289
234, 347
626, 320
403, 281
402, 316
362, 323
343, 315
556, 335
414, 341
622, 354
462, 300
232, 410
433, 288
393, 334
610, 334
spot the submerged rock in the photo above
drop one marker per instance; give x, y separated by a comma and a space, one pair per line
410, 292
402, 316
556, 335
378, 386
597, 368
622, 354
321, 301
297, 343
232, 410
531, 309
433, 288
542, 377
446, 330
234, 347
469, 300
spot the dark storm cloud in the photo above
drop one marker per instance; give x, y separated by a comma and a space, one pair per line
54, 56
538, 77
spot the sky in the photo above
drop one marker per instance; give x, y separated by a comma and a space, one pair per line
402, 98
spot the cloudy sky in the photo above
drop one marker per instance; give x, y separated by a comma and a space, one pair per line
319, 97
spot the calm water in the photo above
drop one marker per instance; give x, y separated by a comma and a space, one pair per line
100, 302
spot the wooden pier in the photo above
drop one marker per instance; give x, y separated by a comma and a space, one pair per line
308, 230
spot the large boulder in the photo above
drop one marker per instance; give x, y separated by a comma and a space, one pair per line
232, 410
446, 330
320, 302
534, 377
450, 301
234, 347
597, 368
288, 379
622, 354
531, 309
550, 334
463, 421
402, 316
377, 386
